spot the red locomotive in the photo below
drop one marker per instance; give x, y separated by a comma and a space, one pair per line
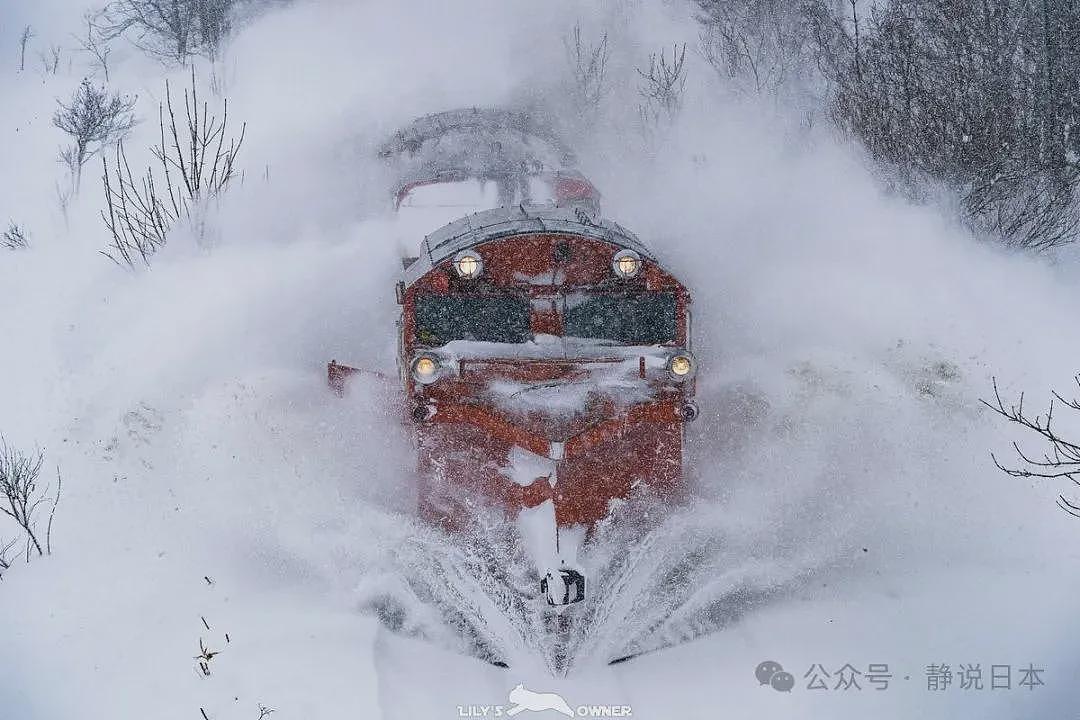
544, 353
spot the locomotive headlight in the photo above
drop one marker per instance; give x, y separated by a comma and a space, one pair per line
425, 369
626, 264
468, 265
681, 365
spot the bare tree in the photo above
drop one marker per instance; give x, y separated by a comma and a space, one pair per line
978, 96
761, 45
662, 86
50, 59
1060, 459
21, 496
96, 39
15, 237
172, 30
197, 162
92, 118
588, 65
27, 33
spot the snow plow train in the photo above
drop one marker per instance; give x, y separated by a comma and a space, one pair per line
544, 353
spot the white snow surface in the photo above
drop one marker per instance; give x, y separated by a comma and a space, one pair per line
524, 467
846, 509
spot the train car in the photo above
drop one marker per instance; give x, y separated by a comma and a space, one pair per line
450, 164
546, 370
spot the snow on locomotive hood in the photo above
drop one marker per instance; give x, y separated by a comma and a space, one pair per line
481, 227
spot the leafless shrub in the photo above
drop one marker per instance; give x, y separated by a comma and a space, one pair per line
63, 192
21, 496
662, 86
27, 34
15, 237
50, 59
171, 30
1027, 206
1061, 459
95, 40
980, 97
196, 160
92, 119
265, 712
137, 217
175, 30
977, 97
760, 45
588, 65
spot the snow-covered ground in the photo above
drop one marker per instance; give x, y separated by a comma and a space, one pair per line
848, 514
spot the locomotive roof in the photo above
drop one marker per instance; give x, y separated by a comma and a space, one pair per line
481, 227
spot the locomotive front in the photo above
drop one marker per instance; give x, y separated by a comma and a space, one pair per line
547, 368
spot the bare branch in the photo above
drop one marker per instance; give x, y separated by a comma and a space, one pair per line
588, 65
27, 34
20, 495
663, 84
5, 548
172, 30
96, 39
15, 237
52, 512
195, 165
50, 59
1062, 457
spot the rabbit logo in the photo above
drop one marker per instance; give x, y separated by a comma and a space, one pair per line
525, 699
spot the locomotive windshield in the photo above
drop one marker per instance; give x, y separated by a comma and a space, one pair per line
640, 319
497, 318
628, 319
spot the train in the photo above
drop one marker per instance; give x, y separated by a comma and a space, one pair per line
545, 353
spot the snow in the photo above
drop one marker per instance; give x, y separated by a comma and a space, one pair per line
427, 207
537, 525
600, 368
523, 467
848, 510
554, 347
568, 398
